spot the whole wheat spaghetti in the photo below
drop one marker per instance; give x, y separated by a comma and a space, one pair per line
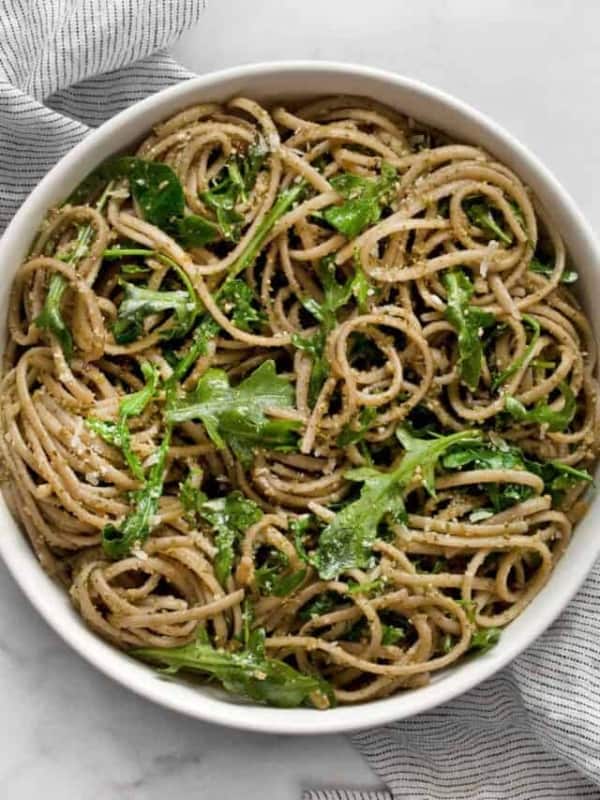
299, 399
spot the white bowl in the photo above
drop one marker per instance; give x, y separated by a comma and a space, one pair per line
273, 82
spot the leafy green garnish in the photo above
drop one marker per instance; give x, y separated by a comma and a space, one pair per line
367, 587
285, 200
468, 321
50, 317
346, 541
352, 435
232, 184
364, 200
230, 517
568, 275
132, 405
479, 213
557, 477
542, 413
516, 365
191, 496
236, 415
249, 673
321, 605
392, 635
335, 296
118, 539
271, 577
236, 300
484, 639
139, 303
158, 192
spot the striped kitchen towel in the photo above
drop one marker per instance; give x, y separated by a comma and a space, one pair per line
68, 65
530, 733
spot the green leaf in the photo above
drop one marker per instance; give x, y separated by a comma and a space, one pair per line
139, 303
204, 331
282, 205
50, 317
468, 321
523, 358
352, 435
568, 275
230, 517
159, 194
236, 415
248, 673
132, 405
232, 184
556, 476
322, 604
194, 231
364, 200
118, 539
542, 413
373, 587
347, 540
479, 213
484, 639
335, 296
392, 635
273, 578
191, 496
237, 301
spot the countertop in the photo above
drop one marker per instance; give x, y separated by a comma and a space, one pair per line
69, 733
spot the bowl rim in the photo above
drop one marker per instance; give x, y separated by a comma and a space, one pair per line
36, 585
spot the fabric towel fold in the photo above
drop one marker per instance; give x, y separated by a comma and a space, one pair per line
533, 730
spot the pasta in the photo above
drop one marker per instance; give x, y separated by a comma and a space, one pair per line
299, 399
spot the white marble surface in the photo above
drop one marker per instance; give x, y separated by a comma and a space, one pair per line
68, 733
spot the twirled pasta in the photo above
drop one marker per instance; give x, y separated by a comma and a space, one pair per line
463, 560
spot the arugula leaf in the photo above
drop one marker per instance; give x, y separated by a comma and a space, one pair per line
230, 517
50, 318
556, 476
235, 415
483, 455
158, 192
249, 673
516, 365
321, 605
191, 496
346, 541
542, 413
479, 213
236, 299
468, 321
139, 303
392, 635
204, 331
484, 639
335, 296
285, 200
367, 587
272, 579
118, 539
132, 405
364, 200
568, 275
352, 435
232, 184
